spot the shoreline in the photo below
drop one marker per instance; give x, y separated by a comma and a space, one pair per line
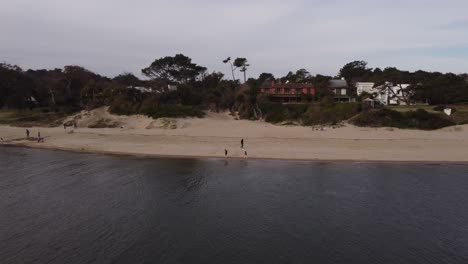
162, 156
206, 138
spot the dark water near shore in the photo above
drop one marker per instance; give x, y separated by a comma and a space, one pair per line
59, 207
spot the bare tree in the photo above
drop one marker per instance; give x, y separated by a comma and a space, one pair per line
388, 89
228, 60
242, 64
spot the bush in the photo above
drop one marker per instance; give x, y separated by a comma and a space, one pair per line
277, 112
419, 119
441, 108
121, 105
172, 111
330, 113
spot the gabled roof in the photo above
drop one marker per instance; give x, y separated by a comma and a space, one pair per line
337, 84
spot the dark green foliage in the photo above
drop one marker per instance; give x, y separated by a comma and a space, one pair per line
16, 88
277, 112
172, 111
27, 118
355, 71
330, 113
128, 79
123, 105
154, 106
309, 114
178, 69
419, 119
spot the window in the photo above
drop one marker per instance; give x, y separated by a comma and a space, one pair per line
343, 91
286, 90
278, 90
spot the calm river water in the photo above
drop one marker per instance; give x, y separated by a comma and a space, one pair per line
59, 207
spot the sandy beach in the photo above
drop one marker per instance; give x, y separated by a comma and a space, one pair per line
208, 137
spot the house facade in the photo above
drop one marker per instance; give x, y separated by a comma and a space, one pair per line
288, 92
386, 94
364, 87
391, 94
341, 90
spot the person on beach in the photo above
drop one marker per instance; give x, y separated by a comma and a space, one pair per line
245, 153
38, 134
225, 152
27, 133
242, 143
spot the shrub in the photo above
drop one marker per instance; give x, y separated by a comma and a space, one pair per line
330, 113
441, 108
277, 112
419, 119
172, 111
121, 105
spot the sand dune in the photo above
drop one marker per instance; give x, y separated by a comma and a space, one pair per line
208, 137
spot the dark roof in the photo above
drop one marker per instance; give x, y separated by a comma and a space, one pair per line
287, 85
337, 84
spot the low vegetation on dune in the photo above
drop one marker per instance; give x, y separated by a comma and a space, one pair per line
326, 112
418, 119
29, 118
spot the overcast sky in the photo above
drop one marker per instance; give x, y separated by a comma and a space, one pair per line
115, 36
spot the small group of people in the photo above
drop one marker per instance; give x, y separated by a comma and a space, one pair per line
242, 147
39, 138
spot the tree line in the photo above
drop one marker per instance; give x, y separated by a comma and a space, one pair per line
74, 87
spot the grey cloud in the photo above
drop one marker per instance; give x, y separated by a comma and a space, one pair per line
276, 36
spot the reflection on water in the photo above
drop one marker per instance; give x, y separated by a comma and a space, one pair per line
60, 207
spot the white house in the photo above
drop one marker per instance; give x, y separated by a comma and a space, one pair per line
390, 94
365, 87
386, 94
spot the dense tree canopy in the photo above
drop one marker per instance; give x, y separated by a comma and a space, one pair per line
354, 71
177, 69
76, 87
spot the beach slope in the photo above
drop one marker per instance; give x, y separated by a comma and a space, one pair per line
210, 136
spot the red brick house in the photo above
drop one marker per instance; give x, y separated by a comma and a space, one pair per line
288, 92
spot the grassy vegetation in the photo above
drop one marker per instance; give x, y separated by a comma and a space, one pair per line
330, 113
27, 118
418, 119
277, 112
407, 108
309, 114
173, 111
148, 108
459, 114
